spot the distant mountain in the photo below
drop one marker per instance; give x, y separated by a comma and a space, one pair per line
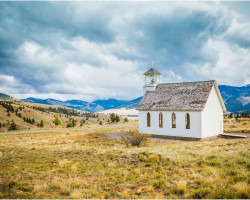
5, 97
131, 104
237, 99
110, 103
94, 106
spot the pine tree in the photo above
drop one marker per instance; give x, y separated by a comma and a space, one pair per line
117, 118
126, 119
13, 126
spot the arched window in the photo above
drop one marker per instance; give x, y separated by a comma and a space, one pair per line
187, 121
173, 120
148, 119
160, 120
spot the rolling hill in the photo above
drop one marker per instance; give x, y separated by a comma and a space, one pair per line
5, 97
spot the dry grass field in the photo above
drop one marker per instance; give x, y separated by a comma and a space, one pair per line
86, 164
241, 125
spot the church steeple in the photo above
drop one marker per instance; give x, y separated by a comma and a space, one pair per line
152, 78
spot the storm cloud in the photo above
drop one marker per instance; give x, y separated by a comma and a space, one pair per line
98, 50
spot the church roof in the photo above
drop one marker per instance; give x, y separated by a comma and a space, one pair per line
186, 96
152, 71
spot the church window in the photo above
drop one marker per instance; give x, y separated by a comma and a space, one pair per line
148, 119
173, 120
160, 120
187, 121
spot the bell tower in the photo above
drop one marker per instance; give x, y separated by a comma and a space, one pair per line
152, 78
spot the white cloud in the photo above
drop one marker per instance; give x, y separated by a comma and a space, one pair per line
100, 50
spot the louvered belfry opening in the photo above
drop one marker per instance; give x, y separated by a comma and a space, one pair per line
148, 119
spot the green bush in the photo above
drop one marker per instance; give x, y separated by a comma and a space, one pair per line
12, 126
57, 121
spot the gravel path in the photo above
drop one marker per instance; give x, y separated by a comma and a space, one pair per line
68, 129
118, 135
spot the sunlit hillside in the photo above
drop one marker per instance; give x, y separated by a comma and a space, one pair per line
29, 115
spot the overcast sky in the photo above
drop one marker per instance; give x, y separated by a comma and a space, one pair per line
100, 50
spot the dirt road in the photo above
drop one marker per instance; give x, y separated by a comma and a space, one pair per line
66, 129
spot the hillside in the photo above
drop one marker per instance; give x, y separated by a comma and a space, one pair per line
5, 97
27, 115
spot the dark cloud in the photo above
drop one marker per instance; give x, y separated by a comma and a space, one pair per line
100, 49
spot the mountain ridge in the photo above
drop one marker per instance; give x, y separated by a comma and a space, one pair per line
236, 99
95, 106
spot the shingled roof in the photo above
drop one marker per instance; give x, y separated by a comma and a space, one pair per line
152, 71
186, 96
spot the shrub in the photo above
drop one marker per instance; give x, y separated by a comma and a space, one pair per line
82, 122
159, 184
114, 118
13, 126
57, 121
181, 187
41, 124
100, 123
200, 193
71, 123
126, 119
134, 138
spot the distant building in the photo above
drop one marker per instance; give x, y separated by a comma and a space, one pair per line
187, 110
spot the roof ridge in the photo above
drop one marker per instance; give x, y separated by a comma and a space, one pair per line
186, 82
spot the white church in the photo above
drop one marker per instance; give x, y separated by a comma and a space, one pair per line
186, 110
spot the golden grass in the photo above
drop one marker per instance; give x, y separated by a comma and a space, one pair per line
241, 125
85, 164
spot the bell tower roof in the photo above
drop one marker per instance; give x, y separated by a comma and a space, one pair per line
152, 71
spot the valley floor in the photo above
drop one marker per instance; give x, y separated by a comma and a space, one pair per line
86, 164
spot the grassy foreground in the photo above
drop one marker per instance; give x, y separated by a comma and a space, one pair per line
87, 165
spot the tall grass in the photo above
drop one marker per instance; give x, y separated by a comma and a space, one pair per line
77, 165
